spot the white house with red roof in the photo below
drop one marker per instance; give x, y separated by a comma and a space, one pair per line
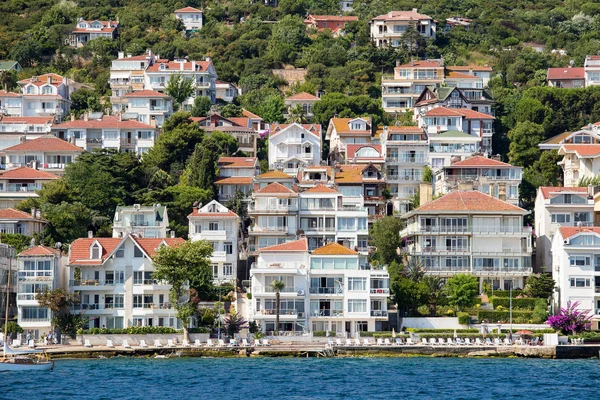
292, 146
575, 266
226, 91
202, 73
47, 153
10, 104
304, 100
334, 23
127, 75
22, 183
591, 68
113, 277
142, 221
579, 161
149, 106
388, 29
241, 128
191, 18
556, 207
39, 268
470, 232
568, 78
99, 131
236, 174
15, 221
344, 131
220, 226
487, 175
89, 30
13, 130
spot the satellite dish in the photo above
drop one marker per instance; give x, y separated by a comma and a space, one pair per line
57, 245
183, 299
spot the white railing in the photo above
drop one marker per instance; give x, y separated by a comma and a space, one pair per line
276, 265
272, 207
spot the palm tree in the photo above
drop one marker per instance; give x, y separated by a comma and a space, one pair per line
435, 289
278, 286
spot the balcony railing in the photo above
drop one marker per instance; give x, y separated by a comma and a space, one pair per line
379, 313
31, 275
86, 282
272, 229
380, 291
327, 313
149, 282
318, 228
444, 249
272, 207
281, 312
326, 290
406, 159
443, 268
26, 296
503, 269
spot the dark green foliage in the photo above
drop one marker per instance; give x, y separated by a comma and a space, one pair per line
463, 318
18, 241
522, 304
201, 107
131, 330
504, 316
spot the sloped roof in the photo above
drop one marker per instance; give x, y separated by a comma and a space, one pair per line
557, 139
45, 144
249, 114
401, 16
188, 10
480, 161
333, 249
569, 231
4, 93
234, 180
471, 201
274, 175
12, 214
547, 191
566, 73
459, 75
458, 112
352, 149
422, 64
146, 93
297, 245
27, 120
176, 66
275, 187
80, 250
38, 251
582, 150
469, 68
353, 174
151, 245
27, 173
314, 129
320, 189
341, 126
303, 96
236, 162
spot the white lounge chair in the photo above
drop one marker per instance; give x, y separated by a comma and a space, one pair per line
459, 341
424, 341
387, 342
507, 342
497, 342
157, 343
109, 344
209, 343
478, 342
409, 341
330, 343
338, 342
170, 343
245, 343
125, 345
468, 341
348, 342
357, 342
143, 343
450, 341
221, 343
488, 341
265, 342
197, 343
86, 344
16, 343
432, 341
441, 341
257, 343
185, 343
399, 342
366, 342
379, 342
31, 344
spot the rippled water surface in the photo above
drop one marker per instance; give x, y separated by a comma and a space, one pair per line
288, 378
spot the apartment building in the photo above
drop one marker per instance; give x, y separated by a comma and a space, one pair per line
11, 104
148, 222
401, 91
114, 279
406, 152
47, 153
191, 18
20, 184
482, 72
312, 176
556, 207
127, 74
588, 134
445, 146
496, 178
14, 130
470, 232
362, 186
241, 128
99, 131
568, 78
579, 161
19, 222
149, 107
344, 131
89, 30
388, 29
575, 267
226, 91
220, 226
304, 100
292, 146
236, 174
591, 68
476, 99
264, 180
39, 269
334, 23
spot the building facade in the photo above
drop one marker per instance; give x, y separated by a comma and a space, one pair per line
89, 30
236, 174
191, 18
142, 221
389, 29
47, 153
21, 184
292, 146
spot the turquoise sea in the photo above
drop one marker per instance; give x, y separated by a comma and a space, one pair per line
289, 378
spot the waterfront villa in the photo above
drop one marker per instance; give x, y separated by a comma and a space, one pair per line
141, 221
21, 184
292, 146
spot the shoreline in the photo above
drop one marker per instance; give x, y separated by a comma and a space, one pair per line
320, 351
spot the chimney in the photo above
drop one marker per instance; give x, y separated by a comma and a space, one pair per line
425, 193
414, 10
128, 55
38, 214
193, 65
208, 59
172, 234
85, 116
120, 117
181, 65
121, 55
153, 122
90, 234
23, 139
33, 211
72, 117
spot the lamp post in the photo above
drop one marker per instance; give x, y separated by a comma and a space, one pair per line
510, 304
219, 312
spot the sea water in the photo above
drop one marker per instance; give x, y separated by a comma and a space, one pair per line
293, 378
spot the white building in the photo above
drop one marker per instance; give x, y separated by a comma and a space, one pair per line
21, 184
579, 161
218, 225
39, 269
471, 232
556, 207
114, 279
388, 29
191, 18
236, 174
346, 5
142, 221
292, 146
344, 131
304, 100
46, 95
89, 30
149, 107
19, 222
99, 131
15, 130
226, 91
575, 267
591, 68
445, 146
401, 91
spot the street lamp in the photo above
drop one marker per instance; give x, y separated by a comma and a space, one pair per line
510, 303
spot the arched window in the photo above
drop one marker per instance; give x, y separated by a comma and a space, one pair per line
367, 152
95, 251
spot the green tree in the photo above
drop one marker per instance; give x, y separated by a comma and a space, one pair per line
435, 291
58, 301
296, 115
201, 171
85, 100
385, 235
540, 286
287, 38
412, 37
231, 110
16, 240
66, 222
407, 292
524, 140
179, 266
234, 323
462, 291
201, 107
179, 88
278, 286
238, 204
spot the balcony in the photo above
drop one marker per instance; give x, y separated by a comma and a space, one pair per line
278, 265
326, 290
96, 308
406, 159
380, 291
218, 256
404, 178
327, 313
155, 283
446, 269
269, 229
216, 235
49, 111
502, 270
379, 313
159, 108
201, 84
318, 228
118, 82
272, 208
91, 284
35, 275
442, 249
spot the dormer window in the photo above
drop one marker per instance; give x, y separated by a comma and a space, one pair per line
30, 90
162, 67
356, 126
212, 208
95, 251
47, 90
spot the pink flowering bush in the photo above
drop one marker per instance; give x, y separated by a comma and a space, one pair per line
570, 320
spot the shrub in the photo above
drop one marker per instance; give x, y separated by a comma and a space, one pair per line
462, 335
591, 337
463, 318
523, 303
131, 330
503, 316
570, 320
203, 329
431, 330
506, 293
323, 333
249, 296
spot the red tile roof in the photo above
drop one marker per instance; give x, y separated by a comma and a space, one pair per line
569, 231
297, 245
275, 187
459, 75
334, 249
236, 162
469, 68
480, 161
341, 126
146, 93
176, 66
228, 214
566, 73
422, 64
45, 144
107, 121
107, 26
314, 129
320, 189
188, 10
463, 112
472, 201
249, 114
352, 149
141, 57
401, 16
27, 120
333, 17
241, 121
151, 245
582, 150
43, 80
27, 173
38, 251
11, 213
547, 191
274, 175
4, 93
303, 96
80, 250
234, 180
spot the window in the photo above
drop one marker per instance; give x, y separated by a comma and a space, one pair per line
580, 282
95, 251
137, 252
137, 301
147, 135
213, 226
139, 103
561, 218
120, 252
357, 306
227, 269
228, 247
357, 284
580, 261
